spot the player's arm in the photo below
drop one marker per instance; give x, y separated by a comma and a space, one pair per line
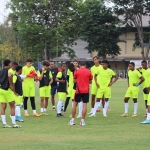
90, 78
10, 80
51, 78
40, 75
58, 78
75, 77
141, 80
14, 81
95, 79
114, 78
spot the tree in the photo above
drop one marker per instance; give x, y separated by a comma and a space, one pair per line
9, 46
99, 29
50, 24
133, 12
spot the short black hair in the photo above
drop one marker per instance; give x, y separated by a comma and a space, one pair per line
6, 62
82, 63
132, 63
15, 63
105, 62
46, 63
18, 68
145, 90
29, 60
63, 63
75, 61
95, 57
51, 61
71, 65
149, 61
144, 61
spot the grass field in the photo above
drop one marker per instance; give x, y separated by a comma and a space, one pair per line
52, 133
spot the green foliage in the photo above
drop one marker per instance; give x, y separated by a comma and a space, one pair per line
99, 29
52, 23
133, 12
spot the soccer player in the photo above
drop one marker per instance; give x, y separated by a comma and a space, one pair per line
104, 80
28, 87
134, 80
145, 71
71, 91
46, 79
94, 88
62, 88
17, 85
82, 78
147, 91
54, 70
12, 70
7, 95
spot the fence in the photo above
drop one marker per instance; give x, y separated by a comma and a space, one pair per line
121, 73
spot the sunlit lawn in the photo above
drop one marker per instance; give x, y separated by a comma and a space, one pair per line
52, 133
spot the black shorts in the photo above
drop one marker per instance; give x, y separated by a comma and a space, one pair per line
53, 89
82, 97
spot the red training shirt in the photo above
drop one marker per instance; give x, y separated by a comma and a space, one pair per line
83, 77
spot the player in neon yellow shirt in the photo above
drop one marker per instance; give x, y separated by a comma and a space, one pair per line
71, 88
45, 79
145, 71
7, 95
94, 88
28, 87
104, 81
134, 80
62, 88
17, 83
12, 70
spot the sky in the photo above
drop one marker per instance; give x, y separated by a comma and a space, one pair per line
3, 11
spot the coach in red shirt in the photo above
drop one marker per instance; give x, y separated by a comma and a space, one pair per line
82, 78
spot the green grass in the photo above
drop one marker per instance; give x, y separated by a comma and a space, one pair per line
52, 133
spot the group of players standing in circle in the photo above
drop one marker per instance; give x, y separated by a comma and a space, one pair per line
73, 84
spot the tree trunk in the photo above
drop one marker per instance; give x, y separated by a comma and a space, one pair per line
147, 51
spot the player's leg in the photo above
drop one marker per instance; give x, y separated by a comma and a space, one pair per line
3, 116
107, 95
46, 105
145, 99
98, 98
85, 98
67, 99
80, 109
95, 107
25, 94
135, 96
25, 107
135, 107
126, 99
42, 97
53, 92
42, 105
32, 101
126, 107
12, 112
62, 97
93, 96
147, 121
47, 89
9, 95
18, 101
75, 104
